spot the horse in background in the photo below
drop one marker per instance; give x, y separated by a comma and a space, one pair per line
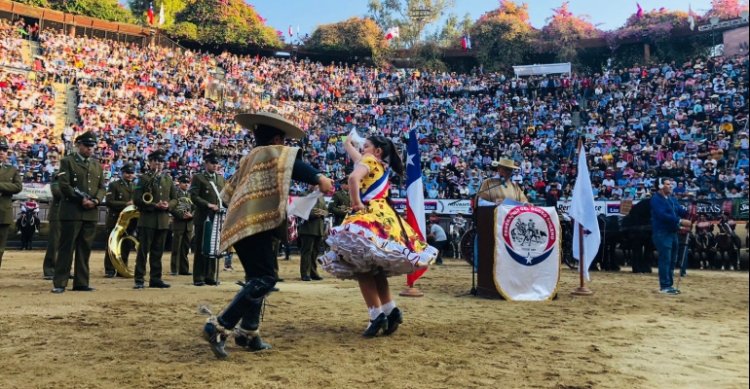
728, 244
28, 223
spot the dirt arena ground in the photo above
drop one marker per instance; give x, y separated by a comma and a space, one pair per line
624, 336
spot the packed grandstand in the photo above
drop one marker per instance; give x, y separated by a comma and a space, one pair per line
684, 120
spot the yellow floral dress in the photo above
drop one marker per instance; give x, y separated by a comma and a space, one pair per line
376, 239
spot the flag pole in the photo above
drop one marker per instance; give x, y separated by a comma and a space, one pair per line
581, 290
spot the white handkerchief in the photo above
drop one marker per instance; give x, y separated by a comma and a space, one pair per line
302, 206
356, 138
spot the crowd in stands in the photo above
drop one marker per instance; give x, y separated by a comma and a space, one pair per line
638, 123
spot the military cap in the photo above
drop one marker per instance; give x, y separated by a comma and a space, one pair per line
184, 179
252, 121
157, 155
87, 138
128, 168
211, 158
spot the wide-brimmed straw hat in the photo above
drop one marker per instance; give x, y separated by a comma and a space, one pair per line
506, 163
252, 120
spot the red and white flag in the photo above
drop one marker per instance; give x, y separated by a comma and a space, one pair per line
391, 33
150, 13
291, 31
414, 197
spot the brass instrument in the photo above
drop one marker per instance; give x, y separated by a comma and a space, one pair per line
184, 206
118, 236
147, 196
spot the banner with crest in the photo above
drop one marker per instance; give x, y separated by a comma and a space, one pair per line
527, 252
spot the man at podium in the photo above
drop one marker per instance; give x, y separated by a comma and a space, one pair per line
500, 187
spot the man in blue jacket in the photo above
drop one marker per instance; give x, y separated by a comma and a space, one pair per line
666, 221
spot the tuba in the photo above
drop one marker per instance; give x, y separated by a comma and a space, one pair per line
119, 235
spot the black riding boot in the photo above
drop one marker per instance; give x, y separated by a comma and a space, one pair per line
248, 334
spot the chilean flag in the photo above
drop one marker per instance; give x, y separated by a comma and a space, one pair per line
414, 196
150, 13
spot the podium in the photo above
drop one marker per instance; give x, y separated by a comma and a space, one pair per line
485, 225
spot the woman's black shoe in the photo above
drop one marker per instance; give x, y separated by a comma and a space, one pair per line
380, 322
394, 319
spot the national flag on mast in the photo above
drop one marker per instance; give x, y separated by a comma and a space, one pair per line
583, 211
415, 214
291, 31
162, 17
150, 13
466, 42
639, 12
691, 17
391, 33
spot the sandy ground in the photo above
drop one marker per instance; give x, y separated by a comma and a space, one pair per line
624, 336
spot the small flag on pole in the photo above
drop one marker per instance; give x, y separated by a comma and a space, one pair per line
162, 18
150, 13
639, 12
583, 211
391, 33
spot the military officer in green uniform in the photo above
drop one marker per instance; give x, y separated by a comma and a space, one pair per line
155, 196
204, 191
340, 204
81, 183
10, 184
53, 237
182, 228
119, 196
311, 233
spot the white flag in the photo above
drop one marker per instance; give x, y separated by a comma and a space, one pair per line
162, 19
302, 206
582, 210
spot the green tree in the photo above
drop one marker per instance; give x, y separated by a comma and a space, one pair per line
101, 9
453, 29
503, 37
355, 35
563, 31
410, 16
226, 22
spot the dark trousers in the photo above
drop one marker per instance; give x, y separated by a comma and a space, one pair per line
310, 249
204, 268
50, 257
3, 240
440, 246
152, 247
75, 236
258, 259
180, 247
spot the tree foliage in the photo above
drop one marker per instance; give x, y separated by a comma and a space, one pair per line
225, 22
139, 8
101, 9
563, 30
654, 26
356, 35
410, 16
726, 9
449, 36
503, 37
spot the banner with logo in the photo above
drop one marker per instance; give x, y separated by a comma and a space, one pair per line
527, 252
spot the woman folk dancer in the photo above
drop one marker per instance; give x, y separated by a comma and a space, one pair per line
375, 242
257, 199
